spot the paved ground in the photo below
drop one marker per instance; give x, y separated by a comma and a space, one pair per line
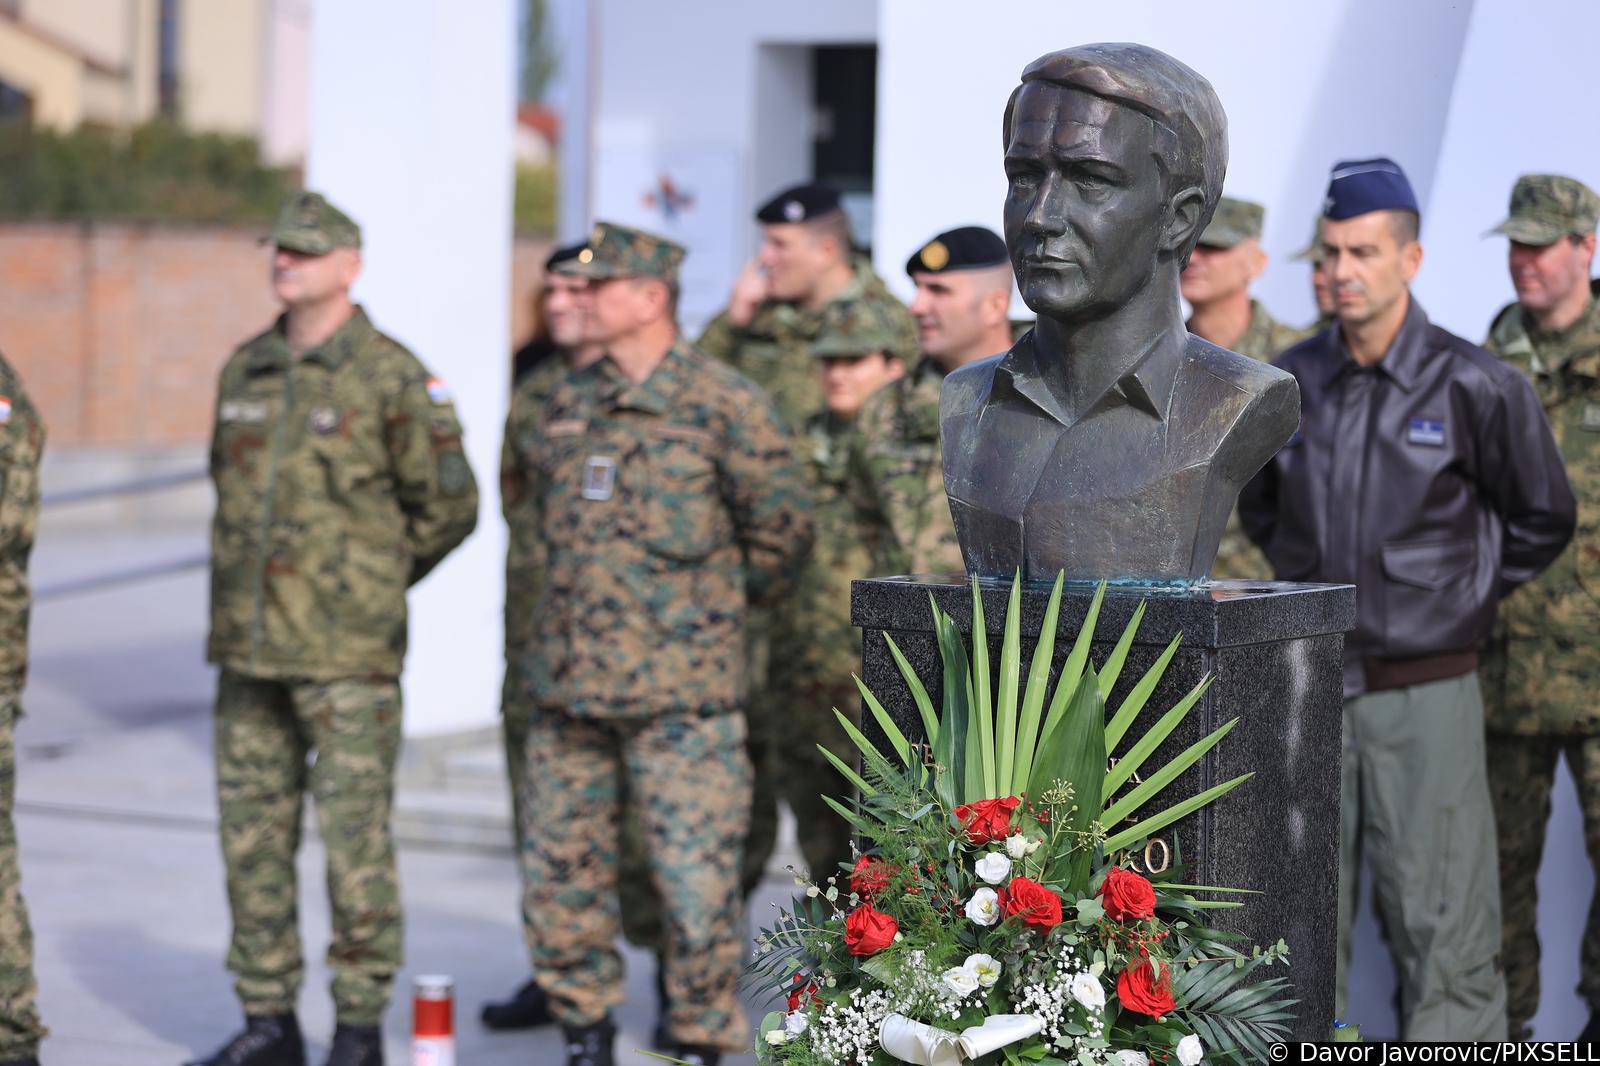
121, 867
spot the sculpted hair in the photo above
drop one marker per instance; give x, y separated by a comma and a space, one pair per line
1191, 129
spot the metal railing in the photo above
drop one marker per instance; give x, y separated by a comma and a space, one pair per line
127, 575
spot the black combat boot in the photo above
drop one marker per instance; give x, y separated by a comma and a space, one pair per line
590, 1045
356, 1045
266, 1041
529, 1008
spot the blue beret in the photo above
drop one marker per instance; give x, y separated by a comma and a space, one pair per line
799, 204
1358, 186
963, 248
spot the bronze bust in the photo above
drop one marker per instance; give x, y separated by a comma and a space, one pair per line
1108, 442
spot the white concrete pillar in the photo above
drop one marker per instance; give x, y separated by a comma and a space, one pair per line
412, 111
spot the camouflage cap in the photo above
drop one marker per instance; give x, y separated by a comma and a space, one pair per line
309, 224
617, 251
1313, 251
1548, 207
860, 327
1232, 222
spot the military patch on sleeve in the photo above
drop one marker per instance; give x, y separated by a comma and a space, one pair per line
5, 410
454, 474
599, 477
438, 391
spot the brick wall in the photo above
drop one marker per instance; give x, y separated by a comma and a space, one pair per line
118, 330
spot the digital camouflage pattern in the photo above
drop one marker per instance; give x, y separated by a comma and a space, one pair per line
21, 446
1542, 664
1237, 557
615, 251
688, 778
340, 481
664, 507
20, 1027
862, 327
1548, 207
1522, 771
309, 224
815, 652
1232, 222
897, 477
1544, 661
774, 349
265, 730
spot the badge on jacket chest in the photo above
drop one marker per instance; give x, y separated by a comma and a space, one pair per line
1424, 429
599, 477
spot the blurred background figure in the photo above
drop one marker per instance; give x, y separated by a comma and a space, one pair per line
1216, 283
1544, 661
963, 293
1321, 290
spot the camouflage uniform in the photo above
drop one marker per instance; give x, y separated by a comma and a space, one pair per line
774, 350
1541, 674
816, 649
21, 442
897, 476
663, 505
340, 481
1235, 221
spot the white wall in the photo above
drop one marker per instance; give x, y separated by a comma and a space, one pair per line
412, 105
675, 92
1303, 85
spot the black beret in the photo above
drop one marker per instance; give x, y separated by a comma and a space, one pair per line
800, 203
962, 248
563, 254
1358, 186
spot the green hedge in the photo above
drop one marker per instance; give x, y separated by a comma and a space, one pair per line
155, 171
535, 210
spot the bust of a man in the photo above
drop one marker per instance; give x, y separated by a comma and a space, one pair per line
1108, 442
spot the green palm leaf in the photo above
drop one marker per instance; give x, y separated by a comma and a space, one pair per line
1142, 748
1005, 716
1130, 707
1075, 752
919, 693
1173, 813
1145, 790
897, 739
982, 701
1119, 654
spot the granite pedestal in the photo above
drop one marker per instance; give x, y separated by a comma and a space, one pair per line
1276, 652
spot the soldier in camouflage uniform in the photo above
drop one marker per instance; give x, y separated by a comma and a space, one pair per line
766, 334
1227, 259
340, 482
1321, 285
1543, 670
667, 494
561, 311
815, 648
963, 280
21, 442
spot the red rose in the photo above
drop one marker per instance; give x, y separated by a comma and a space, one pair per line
1127, 896
987, 820
1141, 989
806, 993
870, 877
1034, 903
868, 930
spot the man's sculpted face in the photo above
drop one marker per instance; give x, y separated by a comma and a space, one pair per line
1086, 207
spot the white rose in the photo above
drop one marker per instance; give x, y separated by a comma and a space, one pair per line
1190, 1050
959, 982
795, 1022
986, 968
984, 906
993, 867
1033, 846
1016, 845
777, 1036
1132, 1058
1086, 990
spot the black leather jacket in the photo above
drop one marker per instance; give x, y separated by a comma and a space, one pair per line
1430, 480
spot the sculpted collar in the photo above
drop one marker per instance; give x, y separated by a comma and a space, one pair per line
1403, 361
654, 395
331, 353
1145, 386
